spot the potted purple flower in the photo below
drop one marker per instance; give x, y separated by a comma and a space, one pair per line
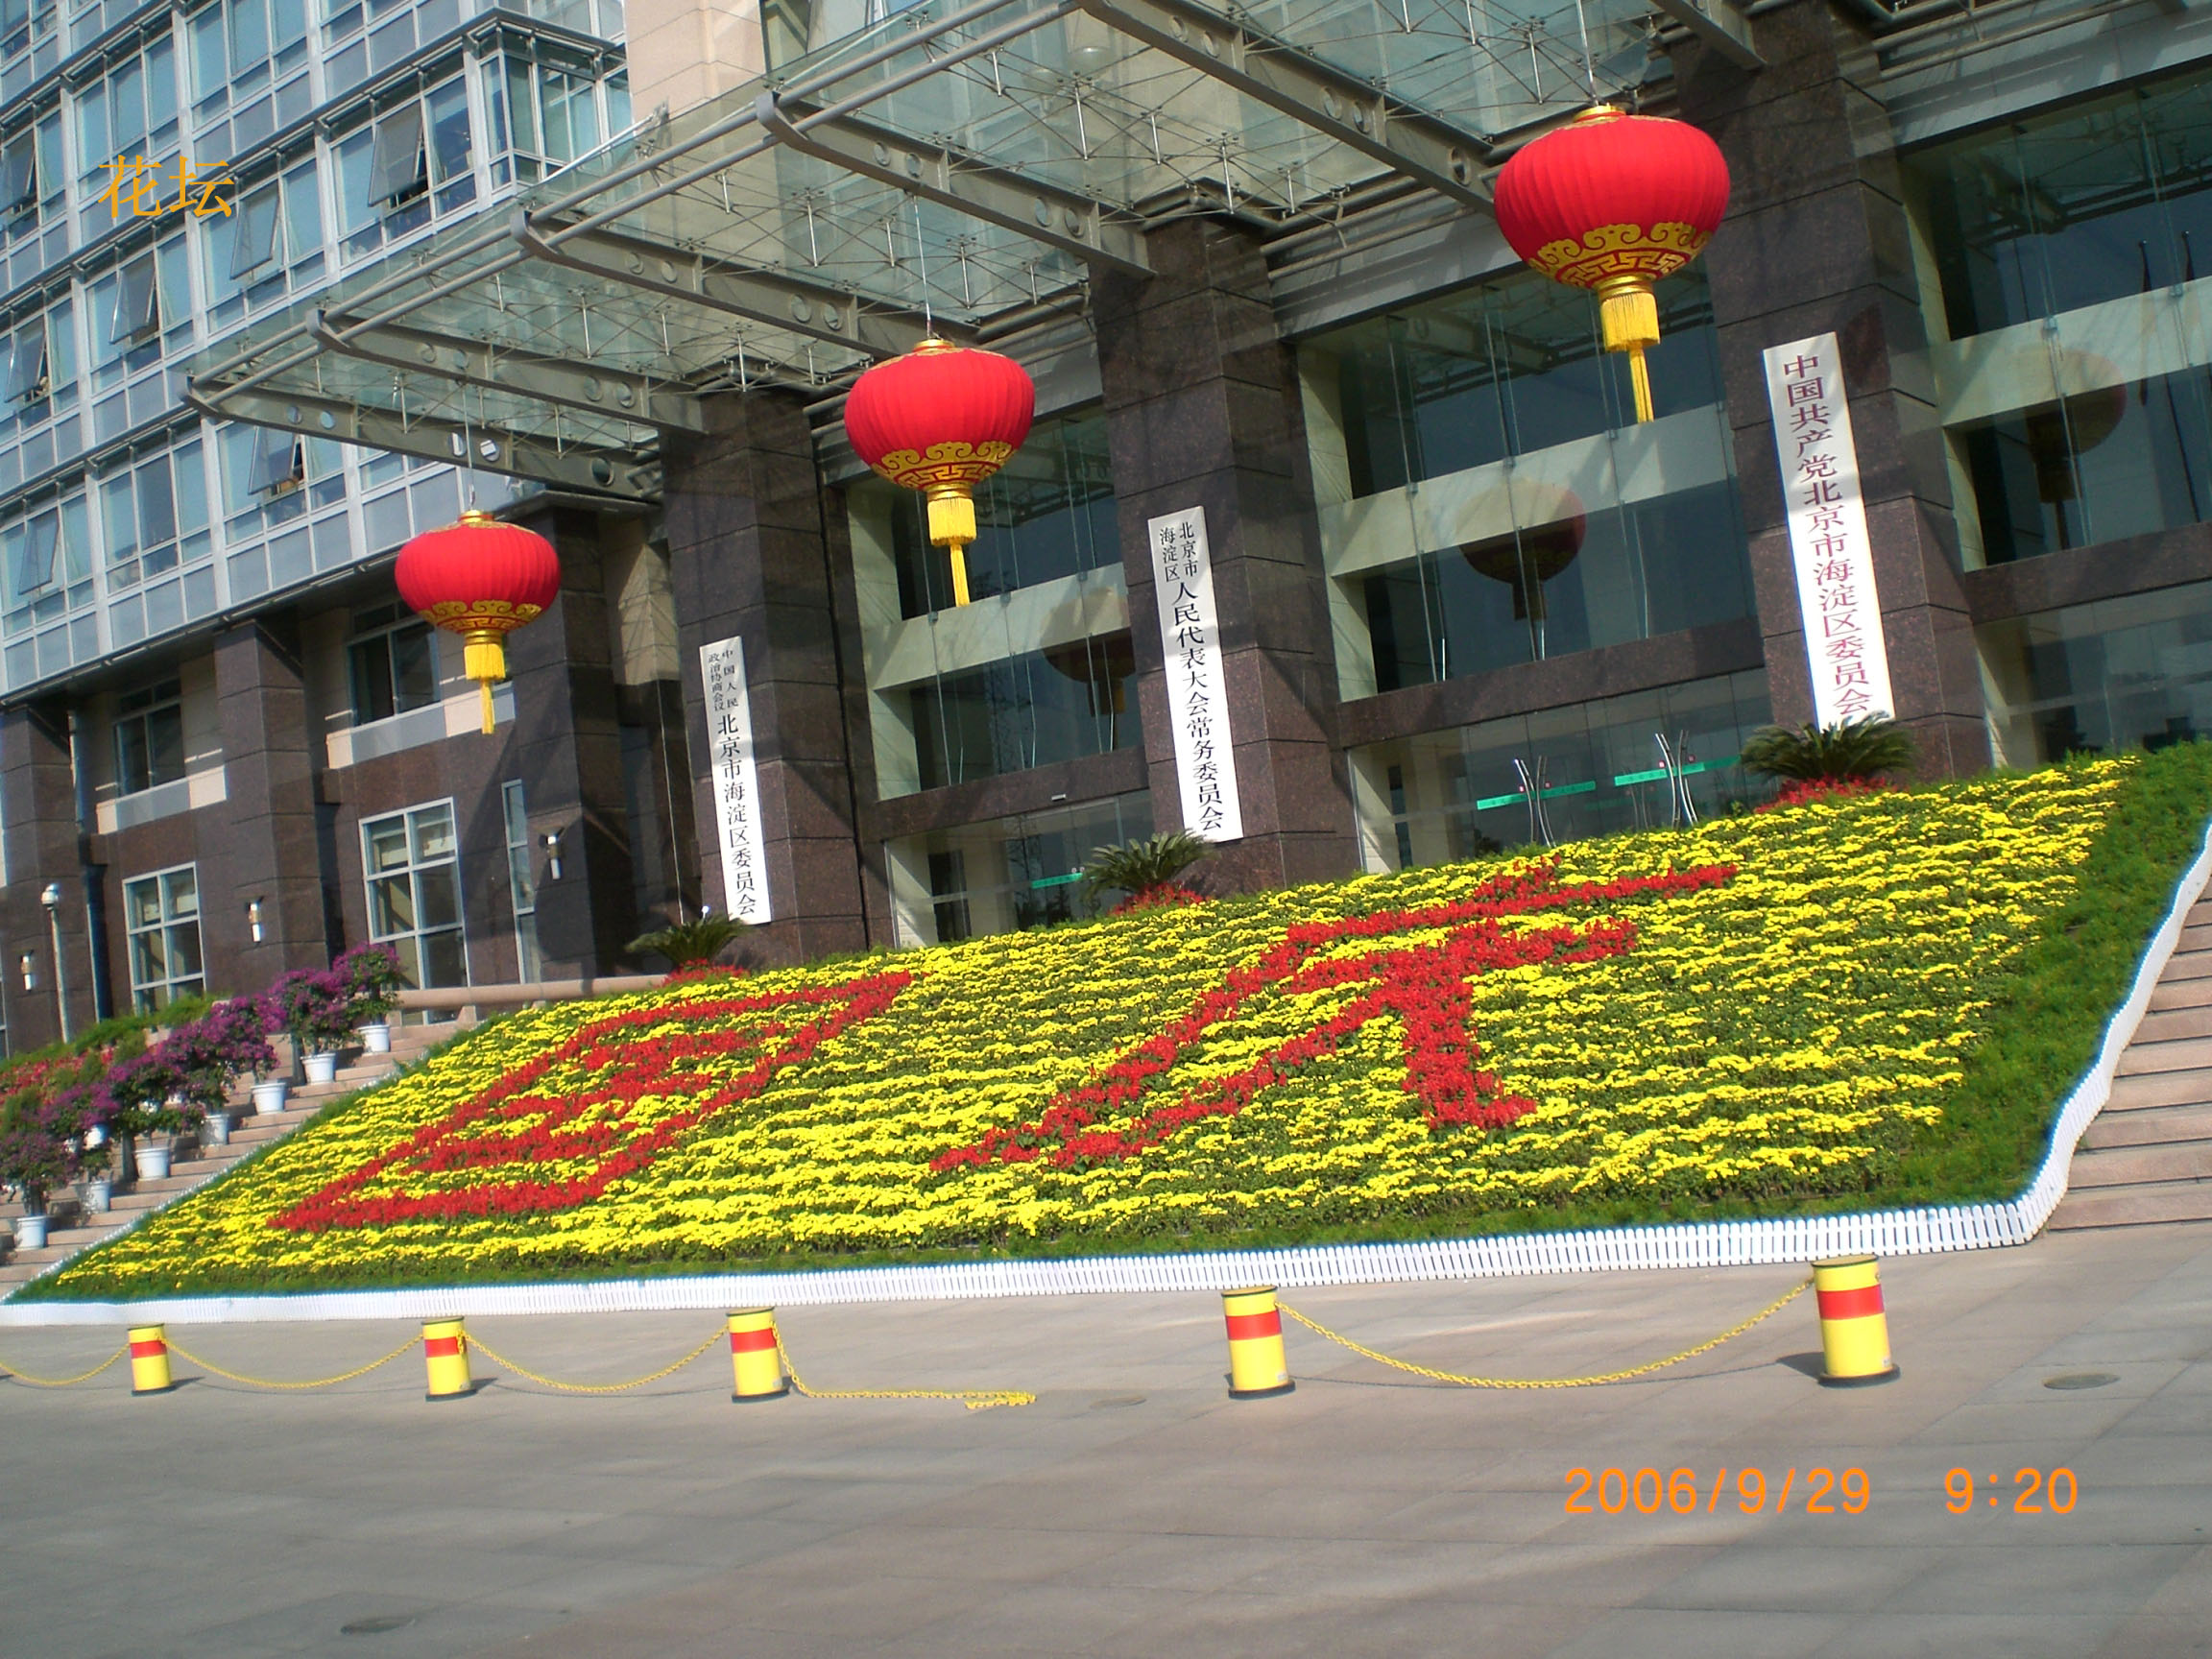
145, 1108
314, 1009
229, 1041
80, 1115
371, 976
34, 1160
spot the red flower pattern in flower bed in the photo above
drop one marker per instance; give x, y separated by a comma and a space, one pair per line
512, 1134
1424, 986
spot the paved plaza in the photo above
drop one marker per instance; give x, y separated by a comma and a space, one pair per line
1134, 1510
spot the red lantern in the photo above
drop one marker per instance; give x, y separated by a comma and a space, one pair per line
1613, 202
941, 420
479, 579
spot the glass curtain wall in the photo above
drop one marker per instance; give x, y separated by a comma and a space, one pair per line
1446, 796
1009, 873
2073, 253
2129, 673
1501, 506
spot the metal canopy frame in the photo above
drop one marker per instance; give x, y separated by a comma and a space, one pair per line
947, 170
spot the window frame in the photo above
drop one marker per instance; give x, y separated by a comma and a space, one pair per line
149, 995
139, 709
408, 942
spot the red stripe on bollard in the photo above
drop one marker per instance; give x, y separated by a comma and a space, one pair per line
441, 1347
1244, 1327
752, 1341
1850, 1304
148, 1350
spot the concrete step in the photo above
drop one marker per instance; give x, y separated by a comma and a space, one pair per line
2182, 1054
2187, 964
2194, 935
2190, 1088
2135, 1206
2171, 993
2149, 1127
2143, 1166
2170, 1025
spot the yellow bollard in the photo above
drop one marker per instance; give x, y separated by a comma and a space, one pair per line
756, 1368
149, 1361
446, 1356
1854, 1330
1256, 1367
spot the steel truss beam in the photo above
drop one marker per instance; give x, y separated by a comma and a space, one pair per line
1060, 218
813, 309
1330, 101
611, 392
582, 467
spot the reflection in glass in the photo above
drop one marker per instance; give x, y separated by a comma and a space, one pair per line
1446, 796
1033, 710
2130, 673
2093, 203
1009, 873
1579, 580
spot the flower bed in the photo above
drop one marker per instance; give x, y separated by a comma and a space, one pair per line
1868, 998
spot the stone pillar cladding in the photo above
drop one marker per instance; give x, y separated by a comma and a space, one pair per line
750, 557
1202, 410
1815, 239
566, 747
39, 808
262, 843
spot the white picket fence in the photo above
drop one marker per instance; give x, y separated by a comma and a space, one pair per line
1613, 1249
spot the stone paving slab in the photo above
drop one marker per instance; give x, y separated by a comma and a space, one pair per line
1134, 1510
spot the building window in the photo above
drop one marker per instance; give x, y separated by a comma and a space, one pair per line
522, 888
1008, 873
150, 738
2113, 675
1034, 709
161, 913
391, 663
412, 864
1447, 796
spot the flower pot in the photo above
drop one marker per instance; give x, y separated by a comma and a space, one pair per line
376, 1038
269, 1097
98, 1195
153, 1157
321, 1068
216, 1130
30, 1231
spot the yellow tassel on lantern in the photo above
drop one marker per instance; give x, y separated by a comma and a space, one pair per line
484, 660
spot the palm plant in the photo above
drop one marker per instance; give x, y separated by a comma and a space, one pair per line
1139, 867
1865, 746
693, 943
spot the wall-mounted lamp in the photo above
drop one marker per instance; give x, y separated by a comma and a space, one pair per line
552, 839
254, 919
30, 967
52, 897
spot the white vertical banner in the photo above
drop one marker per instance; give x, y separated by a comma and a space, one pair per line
1831, 556
736, 781
1197, 690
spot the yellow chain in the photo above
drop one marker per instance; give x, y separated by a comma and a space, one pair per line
1772, 1308
592, 1387
63, 1382
271, 1382
975, 1398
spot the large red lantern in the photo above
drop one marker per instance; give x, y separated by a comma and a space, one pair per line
941, 420
480, 579
1613, 202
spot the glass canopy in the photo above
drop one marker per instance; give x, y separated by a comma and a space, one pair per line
946, 167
